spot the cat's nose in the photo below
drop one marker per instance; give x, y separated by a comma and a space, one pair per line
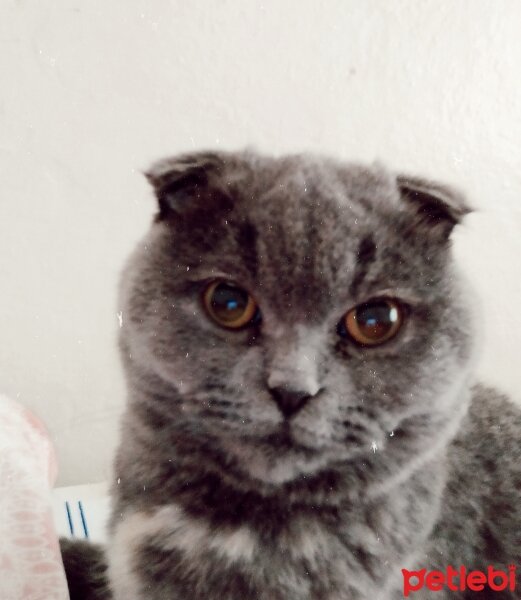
288, 400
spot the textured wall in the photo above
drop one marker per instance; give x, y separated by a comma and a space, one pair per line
90, 92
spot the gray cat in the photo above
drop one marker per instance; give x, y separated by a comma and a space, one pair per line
302, 422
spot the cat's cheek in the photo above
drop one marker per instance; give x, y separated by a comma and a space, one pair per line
186, 359
246, 375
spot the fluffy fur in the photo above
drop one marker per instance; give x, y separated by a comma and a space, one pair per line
395, 461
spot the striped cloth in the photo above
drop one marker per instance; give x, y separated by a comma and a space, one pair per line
30, 561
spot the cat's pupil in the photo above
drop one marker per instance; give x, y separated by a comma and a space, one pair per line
376, 320
229, 302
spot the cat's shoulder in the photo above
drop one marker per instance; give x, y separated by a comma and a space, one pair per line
488, 445
480, 506
494, 420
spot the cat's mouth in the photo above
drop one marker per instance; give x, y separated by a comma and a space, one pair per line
288, 438
284, 439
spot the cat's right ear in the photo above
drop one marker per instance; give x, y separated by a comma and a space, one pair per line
184, 183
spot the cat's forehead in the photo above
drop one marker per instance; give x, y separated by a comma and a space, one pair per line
304, 231
316, 206
307, 228
307, 188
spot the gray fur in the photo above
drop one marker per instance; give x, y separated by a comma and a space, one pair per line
394, 462
85, 570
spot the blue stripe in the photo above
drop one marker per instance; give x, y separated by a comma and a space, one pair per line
69, 517
83, 520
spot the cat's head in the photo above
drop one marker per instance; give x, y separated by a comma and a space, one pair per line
291, 314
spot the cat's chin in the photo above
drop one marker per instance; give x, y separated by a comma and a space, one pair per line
284, 468
279, 457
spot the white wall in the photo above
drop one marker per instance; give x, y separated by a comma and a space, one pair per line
92, 91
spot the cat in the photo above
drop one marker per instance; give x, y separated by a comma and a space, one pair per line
302, 419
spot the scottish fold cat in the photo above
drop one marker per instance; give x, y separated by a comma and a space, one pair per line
302, 419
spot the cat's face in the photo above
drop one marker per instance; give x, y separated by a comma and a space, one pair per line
302, 312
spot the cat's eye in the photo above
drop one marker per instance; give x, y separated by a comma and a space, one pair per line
372, 323
229, 305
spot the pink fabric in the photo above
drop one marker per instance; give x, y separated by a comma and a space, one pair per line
30, 562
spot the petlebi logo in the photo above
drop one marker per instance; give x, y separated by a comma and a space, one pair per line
459, 580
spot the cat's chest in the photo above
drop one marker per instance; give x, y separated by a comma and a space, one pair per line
167, 551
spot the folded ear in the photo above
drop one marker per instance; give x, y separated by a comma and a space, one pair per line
184, 182
435, 208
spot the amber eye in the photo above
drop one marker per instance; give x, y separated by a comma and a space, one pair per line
230, 306
372, 323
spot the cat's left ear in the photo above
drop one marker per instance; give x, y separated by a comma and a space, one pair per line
435, 208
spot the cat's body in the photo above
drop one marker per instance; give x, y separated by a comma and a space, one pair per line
284, 460
217, 543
